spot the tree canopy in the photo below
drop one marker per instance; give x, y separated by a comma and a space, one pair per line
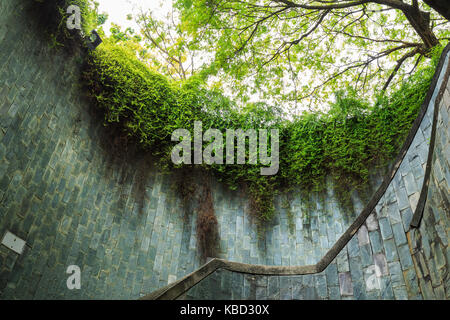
299, 52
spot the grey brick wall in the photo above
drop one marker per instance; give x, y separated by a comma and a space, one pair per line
122, 222
62, 192
385, 259
429, 243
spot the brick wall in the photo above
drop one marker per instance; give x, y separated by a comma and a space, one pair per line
385, 259
120, 219
429, 243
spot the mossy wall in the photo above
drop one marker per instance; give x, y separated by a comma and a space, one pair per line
429, 243
66, 192
385, 258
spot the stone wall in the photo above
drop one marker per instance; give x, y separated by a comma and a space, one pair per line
121, 221
429, 243
385, 259
64, 193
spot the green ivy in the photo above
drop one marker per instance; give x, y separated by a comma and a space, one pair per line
53, 14
345, 142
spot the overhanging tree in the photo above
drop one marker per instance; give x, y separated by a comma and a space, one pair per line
268, 47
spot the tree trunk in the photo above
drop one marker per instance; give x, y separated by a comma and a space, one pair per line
420, 21
441, 6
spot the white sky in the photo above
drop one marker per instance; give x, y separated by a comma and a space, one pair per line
118, 9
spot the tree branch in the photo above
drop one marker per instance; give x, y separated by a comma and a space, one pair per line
397, 67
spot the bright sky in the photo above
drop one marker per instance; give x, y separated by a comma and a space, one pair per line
119, 9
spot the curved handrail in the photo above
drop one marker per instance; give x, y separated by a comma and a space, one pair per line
177, 288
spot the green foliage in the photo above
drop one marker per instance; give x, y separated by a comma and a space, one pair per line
286, 204
345, 142
53, 13
291, 52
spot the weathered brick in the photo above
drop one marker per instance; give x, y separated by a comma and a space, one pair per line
345, 284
